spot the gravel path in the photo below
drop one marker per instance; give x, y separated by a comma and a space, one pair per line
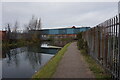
72, 65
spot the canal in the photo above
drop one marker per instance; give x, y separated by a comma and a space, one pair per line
25, 61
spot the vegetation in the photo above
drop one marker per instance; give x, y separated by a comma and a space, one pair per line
94, 67
98, 71
80, 42
19, 43
49, 69
31, 35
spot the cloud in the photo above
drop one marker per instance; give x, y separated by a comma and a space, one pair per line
59, 0
59, 14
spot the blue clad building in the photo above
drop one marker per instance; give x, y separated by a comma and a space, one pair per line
62, 32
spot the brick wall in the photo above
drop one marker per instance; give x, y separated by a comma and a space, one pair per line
2, 35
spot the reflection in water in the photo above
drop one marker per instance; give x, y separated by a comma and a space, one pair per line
12, 57
23, 62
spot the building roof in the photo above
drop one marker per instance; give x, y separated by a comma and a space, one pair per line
67, 28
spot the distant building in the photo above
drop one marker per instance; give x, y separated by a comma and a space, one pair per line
62, 32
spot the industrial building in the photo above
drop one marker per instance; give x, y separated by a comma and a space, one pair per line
62, 32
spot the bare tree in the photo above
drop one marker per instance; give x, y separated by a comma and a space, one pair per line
34, 24
15, 34
8, 29
39, 24
32, 29
16, 26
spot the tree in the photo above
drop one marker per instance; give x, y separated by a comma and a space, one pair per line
39, 24
34, 24
16, 26
8, 31
15, 29
33, 29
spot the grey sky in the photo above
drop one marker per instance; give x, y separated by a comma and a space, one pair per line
59, 14
0, 15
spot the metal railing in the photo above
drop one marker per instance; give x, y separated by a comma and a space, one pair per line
104, 44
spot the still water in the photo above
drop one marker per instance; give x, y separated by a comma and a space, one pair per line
23, 62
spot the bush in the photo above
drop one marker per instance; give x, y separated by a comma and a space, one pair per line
86, 46
81, 43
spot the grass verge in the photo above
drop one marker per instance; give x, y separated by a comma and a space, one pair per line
98, 71
49, 69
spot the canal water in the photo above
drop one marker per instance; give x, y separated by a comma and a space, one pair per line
23, 62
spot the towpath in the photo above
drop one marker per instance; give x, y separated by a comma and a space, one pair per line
73, 65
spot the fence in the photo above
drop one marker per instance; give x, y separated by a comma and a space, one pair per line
104, 44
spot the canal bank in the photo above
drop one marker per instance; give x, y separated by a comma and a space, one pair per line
49, 69
70, 62
67, 63
73, 65
78, 64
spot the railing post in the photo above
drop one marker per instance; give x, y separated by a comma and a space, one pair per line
119, 46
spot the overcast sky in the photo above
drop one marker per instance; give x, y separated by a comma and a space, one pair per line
59, 14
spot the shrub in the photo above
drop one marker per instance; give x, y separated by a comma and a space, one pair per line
81, 43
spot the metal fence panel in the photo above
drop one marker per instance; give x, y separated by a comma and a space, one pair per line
104, 44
